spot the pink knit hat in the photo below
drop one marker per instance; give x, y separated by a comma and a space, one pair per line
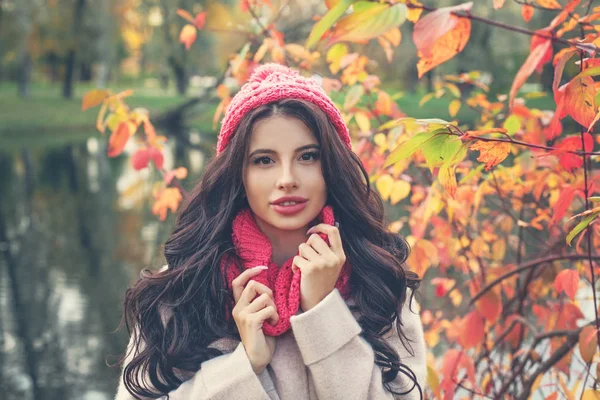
270, 83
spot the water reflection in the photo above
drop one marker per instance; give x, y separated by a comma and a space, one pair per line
75, 230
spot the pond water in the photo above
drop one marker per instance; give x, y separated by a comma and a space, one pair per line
76, 228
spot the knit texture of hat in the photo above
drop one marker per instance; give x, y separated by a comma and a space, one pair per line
254, 249
270, 83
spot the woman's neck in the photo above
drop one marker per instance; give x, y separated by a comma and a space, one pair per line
285, 245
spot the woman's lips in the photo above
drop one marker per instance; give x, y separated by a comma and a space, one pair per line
289, 210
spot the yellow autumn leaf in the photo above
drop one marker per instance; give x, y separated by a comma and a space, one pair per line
380, 140
363, 122
94, 98
591, 394
384, 186
400, 191
334, 56
550, 4
491, 153
188, 35
454, 107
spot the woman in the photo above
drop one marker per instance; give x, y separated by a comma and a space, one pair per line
253, 303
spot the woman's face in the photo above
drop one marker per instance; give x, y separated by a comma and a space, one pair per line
284, 160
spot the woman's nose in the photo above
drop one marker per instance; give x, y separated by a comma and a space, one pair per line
287, 179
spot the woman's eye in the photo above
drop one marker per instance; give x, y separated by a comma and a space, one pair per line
260, 159
313, 155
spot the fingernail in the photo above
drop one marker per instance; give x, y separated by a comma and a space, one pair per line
310, 230
260, 267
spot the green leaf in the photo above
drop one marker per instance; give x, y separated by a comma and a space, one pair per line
512, 124
353, 96
581, 226
368, 21
407, 148
327, 21
440, 148
589, 72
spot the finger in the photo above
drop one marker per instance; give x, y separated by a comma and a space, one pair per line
262, 301
318, 244
307, 251
252, 289
299, 263
333, 234
241, 281
267, 313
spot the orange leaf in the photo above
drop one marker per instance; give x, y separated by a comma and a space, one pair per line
149, 130
490, 306
94, 98
118, 139
588, 343
491, 153
568, 281
498, 4
527, 12
550, 4
530, 64
446, 47
200, 20
185, 15
179, 173
552, 396
564, 14
168, 199
473, 330
435, 25
188, 35
383, 105
579, 100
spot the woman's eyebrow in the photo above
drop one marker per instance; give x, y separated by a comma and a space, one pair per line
269, 151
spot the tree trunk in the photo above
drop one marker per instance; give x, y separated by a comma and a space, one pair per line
70, 65
25, 74
181, 75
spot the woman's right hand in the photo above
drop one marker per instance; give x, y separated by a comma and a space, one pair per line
250, 314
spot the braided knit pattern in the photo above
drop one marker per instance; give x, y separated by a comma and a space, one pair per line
254, 248
272, 82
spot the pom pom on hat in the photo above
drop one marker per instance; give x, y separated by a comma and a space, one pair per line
270, 83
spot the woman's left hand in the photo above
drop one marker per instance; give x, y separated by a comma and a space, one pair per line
320, 265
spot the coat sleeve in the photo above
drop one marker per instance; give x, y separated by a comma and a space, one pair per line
342, 364
229, 376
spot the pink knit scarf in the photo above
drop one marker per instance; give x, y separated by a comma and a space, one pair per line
254, 248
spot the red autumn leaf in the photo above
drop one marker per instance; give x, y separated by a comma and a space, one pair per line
156, 156
440, 290
568, 315
527, 12
579, 100
118, 139
140, 159
455, 362
530, 65
537, 41
568, 160
200, 20
568, 281
564, 201
188, 35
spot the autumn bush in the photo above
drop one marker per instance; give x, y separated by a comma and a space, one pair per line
501, 213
